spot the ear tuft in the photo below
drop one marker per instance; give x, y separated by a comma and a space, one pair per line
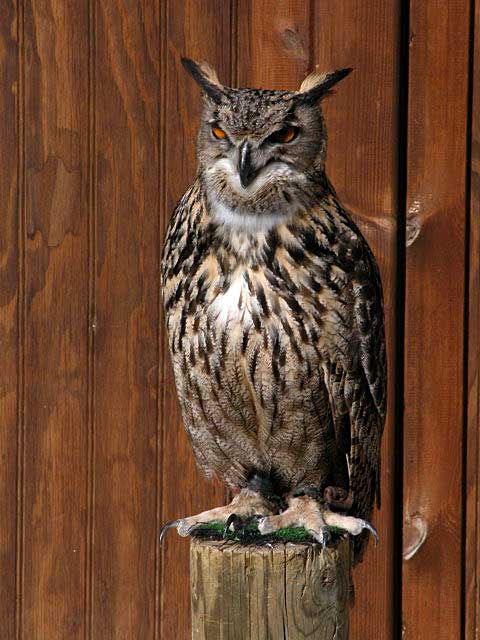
311, 81
317, 85
206, 76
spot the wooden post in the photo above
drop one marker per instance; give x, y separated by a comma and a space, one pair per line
289, 591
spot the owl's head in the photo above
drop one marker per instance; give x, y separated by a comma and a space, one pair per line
260, 150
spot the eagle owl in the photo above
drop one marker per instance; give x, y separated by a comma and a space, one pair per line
274, 315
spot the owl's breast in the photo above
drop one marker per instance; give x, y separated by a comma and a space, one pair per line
252, 323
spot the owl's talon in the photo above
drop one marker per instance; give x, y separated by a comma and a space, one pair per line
373, 531
325, 537
166, 527
234, 520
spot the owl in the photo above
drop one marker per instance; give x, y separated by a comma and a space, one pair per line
274, 315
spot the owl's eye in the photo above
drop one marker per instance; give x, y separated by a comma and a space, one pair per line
282, 136
218, 133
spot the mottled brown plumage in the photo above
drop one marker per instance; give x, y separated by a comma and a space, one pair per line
274, 309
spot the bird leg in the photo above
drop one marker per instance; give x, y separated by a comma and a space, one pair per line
245, 504
305, 511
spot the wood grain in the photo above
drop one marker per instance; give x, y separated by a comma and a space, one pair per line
199, 29
126, 319
434, 317
362, 162
472, 472
278, 35
56, 294
10, 298
299, 592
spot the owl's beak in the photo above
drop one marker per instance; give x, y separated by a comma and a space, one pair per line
246, 171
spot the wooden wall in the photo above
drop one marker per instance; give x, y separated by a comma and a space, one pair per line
97, 142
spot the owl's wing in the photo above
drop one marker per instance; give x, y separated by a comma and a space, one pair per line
356, 382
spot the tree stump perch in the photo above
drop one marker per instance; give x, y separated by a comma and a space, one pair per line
288, 591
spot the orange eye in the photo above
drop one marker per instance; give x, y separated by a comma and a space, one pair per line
282, 136
219, 133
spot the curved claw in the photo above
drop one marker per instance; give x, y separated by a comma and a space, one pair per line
166, 527
232, 519
325, 536
373, 531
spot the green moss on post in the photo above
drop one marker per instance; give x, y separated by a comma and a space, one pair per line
251, 534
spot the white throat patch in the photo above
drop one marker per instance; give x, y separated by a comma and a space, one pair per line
237, 220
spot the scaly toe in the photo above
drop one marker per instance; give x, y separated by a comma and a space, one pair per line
352, 525
184, 527
302, 512
166, 527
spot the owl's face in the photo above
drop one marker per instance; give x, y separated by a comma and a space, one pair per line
258, 149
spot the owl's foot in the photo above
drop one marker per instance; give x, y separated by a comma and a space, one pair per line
306, 512
245, 504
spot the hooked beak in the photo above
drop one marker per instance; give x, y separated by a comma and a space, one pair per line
245, 170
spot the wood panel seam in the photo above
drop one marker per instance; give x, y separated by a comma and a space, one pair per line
21, 319
400, 298
471, 523
466, 327
92, 224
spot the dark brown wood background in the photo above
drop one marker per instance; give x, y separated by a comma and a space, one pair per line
97, 142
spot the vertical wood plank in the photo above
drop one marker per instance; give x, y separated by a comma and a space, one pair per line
9, 308
362, 162
273, 43
434, 318
472, 529
92, 222
126, 321
199, 29
56, 272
